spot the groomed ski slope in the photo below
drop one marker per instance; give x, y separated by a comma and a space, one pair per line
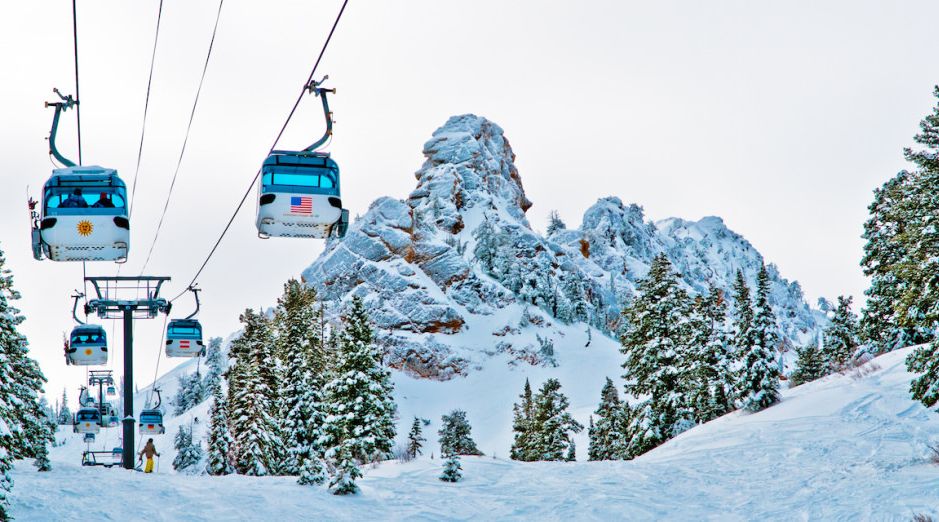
843, 448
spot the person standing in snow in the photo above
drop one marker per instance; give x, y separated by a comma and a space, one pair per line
149, 450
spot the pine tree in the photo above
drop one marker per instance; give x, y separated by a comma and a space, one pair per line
253, 427
452, 470
415, 439
554, 223
24, 432
487, 245
215, 361
522, 447
65, 414
189, 393
840, 338
312, 470
655, 341
188, 452
220, 439
809, 366
346, 470
903, 300
608, 437
552, 425
742, 317
709, 378
455, 435
297, 321
886, 323
6, 466
571, 455
759, 377
303, 418
359, 407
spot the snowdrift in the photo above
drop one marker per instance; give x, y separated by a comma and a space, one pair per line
847, 447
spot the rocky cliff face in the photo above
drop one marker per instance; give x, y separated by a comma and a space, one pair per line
454, 274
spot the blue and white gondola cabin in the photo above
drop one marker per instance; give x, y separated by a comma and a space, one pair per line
84, 216
184, 338
87, 346
299, 191
87, 420
151, 422
299, 196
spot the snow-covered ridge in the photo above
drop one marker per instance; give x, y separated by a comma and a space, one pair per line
458, 256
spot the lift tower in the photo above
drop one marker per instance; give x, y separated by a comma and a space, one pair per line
114, 302
100, 378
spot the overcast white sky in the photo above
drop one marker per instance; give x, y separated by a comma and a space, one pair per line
780, 117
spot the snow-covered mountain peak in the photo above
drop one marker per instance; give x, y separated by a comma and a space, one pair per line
454, 275
469, 162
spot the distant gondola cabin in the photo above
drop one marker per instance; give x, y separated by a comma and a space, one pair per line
151, 422
87, 346
184, 338
87, 420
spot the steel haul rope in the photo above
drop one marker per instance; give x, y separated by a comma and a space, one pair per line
182, 152
146, 106
279, 134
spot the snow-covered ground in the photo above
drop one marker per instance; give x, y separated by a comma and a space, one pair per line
843, 448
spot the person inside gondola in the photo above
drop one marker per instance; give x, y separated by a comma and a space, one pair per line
104, 201
75, 200
149, 450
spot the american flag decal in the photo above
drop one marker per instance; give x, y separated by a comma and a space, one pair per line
301, 205
183, 345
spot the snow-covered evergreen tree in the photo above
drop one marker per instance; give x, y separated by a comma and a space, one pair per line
24, 431
840, 338
415, 439
65, 414
345, 469
297, 321
809, 366
304, 417
215, 363
608, 436
552, 424
523, 444
655, 342
554, 223
359, 407
6, 466
455, 435
742, 316
190, 392
884, 327
759, 377
487, 245
188, 452
220, 439
571, 455
253, 427
452, 470
709, 377
900, 258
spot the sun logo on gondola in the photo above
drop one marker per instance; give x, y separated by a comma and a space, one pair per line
85, 228
88, 351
